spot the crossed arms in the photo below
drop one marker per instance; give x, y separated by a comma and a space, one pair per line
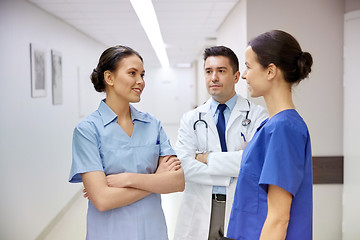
118, 190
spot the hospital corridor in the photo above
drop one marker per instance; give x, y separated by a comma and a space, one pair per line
50, 48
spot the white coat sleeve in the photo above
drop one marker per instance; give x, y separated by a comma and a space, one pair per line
228, 163
185, 148
225, 163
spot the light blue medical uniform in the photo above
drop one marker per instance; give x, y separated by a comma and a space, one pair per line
278, 154
100, 144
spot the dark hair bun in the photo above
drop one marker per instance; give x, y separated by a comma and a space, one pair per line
98, 80
304, 64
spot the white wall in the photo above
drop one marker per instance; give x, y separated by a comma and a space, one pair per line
169, 92
202, 94
351, 209
318, 26
233, 34
352, 5
35, 136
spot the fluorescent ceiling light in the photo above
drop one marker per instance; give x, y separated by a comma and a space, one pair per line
183, 65
145, 11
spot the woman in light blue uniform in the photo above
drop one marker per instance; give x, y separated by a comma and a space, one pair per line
273, 198
123, 156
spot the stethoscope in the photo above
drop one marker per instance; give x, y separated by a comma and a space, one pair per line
245, 123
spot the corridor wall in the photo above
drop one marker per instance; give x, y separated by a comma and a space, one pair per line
351, 194
35, 135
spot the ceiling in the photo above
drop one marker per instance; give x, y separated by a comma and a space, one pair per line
187, 26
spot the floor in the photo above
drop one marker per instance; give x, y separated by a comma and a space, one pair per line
72, 226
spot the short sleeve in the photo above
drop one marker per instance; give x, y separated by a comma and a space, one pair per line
164, 141
85, 152
284, 163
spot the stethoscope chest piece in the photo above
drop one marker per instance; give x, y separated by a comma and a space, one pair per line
246, 122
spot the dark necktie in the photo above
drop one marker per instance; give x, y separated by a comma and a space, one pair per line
221, 127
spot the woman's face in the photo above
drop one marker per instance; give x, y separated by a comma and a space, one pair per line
255, 74
128, 79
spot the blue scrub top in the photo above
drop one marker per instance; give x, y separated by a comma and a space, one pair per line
278, 154
100, 144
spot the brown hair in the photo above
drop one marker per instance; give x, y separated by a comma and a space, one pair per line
223, 51
284, 51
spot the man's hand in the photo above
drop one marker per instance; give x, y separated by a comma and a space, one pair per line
202, 157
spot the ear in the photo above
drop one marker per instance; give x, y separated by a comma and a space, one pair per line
108, 77
272, 71
237, 76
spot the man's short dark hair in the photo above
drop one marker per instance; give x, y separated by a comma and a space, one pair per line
223, 51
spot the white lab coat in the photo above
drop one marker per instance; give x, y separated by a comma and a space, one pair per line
195, 211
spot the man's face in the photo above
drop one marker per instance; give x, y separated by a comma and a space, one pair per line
220, 79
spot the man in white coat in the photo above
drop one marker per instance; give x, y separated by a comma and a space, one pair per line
210, 156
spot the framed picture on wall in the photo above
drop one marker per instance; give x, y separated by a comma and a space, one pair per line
56, 76
37, 63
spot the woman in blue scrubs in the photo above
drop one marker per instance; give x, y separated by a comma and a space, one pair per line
273, 198
123, 156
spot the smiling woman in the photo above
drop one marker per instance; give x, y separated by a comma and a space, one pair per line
123, 156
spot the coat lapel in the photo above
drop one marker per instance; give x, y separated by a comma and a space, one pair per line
240, 108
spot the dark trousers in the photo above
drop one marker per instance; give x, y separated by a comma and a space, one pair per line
216, 231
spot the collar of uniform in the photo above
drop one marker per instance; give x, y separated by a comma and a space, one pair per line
106, 113
138, 115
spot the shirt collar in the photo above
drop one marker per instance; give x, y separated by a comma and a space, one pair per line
230, 104
108, 115
138, 115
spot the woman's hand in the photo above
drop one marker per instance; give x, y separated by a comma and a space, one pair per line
113, 180
122, 180
168, 163
119, 180
86, 195
103, 197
